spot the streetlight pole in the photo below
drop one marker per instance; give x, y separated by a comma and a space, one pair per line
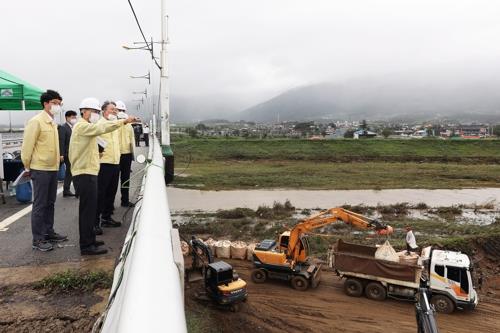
164, 99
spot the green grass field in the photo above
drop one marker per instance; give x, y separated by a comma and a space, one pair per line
338, 164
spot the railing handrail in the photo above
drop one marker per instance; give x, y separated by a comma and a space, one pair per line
9, 141
147, 293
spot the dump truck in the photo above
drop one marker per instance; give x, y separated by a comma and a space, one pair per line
446, 274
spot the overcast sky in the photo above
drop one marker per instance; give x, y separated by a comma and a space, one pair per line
248, 50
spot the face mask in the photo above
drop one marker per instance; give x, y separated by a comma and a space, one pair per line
94, 118
72, 121
122, 115
55, 109
112, 117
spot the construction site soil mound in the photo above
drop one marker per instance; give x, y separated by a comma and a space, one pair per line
275, 307
25, 309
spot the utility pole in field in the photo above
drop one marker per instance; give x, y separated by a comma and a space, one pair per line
165, 98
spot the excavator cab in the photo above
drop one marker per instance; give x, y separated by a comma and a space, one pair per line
303, 245
223, 285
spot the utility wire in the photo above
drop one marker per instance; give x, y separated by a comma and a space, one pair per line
143, 36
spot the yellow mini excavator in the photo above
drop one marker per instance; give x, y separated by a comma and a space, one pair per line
287, 259
222, 284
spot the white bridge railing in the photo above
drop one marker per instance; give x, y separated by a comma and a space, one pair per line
148, 286
9, 144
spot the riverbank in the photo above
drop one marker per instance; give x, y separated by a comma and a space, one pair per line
231, 164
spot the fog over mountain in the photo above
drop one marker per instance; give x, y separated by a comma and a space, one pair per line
471, 95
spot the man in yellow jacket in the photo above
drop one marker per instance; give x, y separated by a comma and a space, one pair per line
40, 156
84, 159
109, 172
126, 155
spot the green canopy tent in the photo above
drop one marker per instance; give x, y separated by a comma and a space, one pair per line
16, 94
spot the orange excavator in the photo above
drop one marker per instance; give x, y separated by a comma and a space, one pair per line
288, 260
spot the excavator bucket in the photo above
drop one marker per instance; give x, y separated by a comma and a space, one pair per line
316, 278
194, 276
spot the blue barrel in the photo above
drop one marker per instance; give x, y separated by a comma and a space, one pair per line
62, 172
24, 193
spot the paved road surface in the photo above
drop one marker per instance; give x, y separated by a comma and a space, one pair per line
15, 243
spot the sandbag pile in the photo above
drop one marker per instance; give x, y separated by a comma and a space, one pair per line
238, 250
211, 245
223, 249
411, 259
386, 252
250, 249
184, 248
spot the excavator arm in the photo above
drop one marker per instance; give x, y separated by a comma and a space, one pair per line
426, 322
198, 244
329, 216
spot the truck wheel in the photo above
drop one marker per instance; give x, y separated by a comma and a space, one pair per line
353, 287
300, 283
259, 276
375, 291
442, 304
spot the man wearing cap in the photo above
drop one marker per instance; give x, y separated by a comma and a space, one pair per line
41, 158
109, 172
126, 154
84, 159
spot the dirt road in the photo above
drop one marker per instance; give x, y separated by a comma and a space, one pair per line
276, 307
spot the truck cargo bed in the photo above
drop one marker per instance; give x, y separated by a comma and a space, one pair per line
360, 259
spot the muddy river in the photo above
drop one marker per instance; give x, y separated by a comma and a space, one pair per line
189, 200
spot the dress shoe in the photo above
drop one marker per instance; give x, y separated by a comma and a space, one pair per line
98, 231
56, 238
68, 194
92, 250
128, 204
110, 223
98, 243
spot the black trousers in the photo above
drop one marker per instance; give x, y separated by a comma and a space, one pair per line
68, 178
87, 189
125, 166
107, 185
410, 249
146, 139
44, 198
137, 140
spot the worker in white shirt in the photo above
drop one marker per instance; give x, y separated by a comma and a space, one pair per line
411, 243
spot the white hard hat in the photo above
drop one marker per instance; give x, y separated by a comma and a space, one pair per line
90, 103
122, 115
121, 106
